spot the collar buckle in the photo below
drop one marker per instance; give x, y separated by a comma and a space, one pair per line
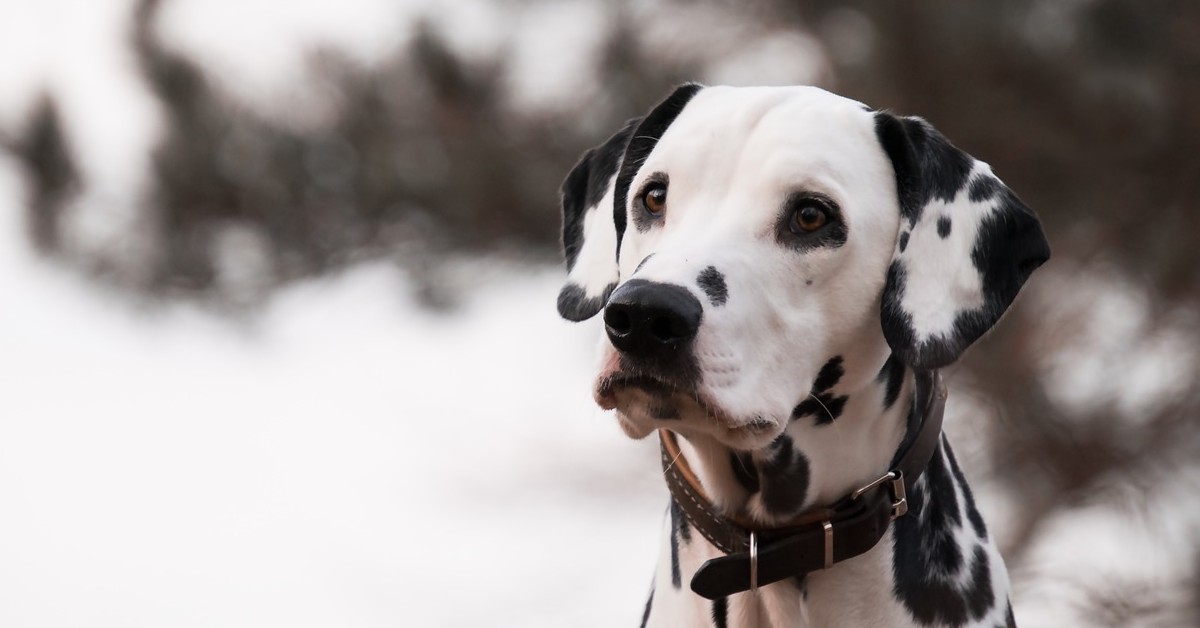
899, 495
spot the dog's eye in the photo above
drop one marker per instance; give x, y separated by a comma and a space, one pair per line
807, 218
654, 199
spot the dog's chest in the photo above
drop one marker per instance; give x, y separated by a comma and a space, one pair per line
937, 565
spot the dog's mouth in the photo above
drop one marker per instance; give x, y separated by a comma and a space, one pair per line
608, 387
645, 402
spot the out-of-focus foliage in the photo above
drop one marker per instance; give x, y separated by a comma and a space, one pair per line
1088, 108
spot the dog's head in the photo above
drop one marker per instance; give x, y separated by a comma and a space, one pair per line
746, 243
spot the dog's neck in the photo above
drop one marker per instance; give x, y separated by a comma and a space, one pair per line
818, 459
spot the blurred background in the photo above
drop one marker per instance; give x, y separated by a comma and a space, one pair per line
277, 333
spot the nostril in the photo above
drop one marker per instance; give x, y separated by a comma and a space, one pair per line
617, 320
666, 329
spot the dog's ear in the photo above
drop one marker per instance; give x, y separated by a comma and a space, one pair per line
593, 205
589, 236
966, 245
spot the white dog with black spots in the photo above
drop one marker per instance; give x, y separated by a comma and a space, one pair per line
777, 267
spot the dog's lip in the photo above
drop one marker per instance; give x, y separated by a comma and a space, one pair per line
607, 388
606, 397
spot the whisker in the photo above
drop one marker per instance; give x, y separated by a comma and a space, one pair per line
818, 400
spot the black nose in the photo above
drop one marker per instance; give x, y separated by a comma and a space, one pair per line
651, 320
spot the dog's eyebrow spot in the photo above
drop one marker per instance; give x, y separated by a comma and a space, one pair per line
943, 227
903, 241
712, 282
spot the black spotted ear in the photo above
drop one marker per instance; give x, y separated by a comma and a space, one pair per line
593, 204
966, 246
589, 236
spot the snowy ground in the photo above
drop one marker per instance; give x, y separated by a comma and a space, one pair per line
352, 461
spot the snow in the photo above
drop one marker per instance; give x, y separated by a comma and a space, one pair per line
350, 459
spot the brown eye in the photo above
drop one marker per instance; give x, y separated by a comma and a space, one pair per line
654, 199
808, 218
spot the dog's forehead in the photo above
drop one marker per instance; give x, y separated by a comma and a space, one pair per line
772, 130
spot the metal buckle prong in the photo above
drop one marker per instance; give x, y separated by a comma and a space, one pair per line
889, 476
753, 562
899, 498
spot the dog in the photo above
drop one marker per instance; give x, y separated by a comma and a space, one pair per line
781, 272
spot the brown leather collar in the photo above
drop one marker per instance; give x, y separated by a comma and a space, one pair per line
816, 539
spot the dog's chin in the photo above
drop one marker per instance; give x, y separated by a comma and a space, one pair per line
641, 411
635, 429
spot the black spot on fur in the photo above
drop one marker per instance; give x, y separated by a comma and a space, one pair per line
903, 241
927, 166
972, 513
830, 374
676, 517
784, 476
821, 403
892, 374
933, 535
744, 470
585, 185
575, 305
824, 407
643, 140
927, 561
943, 227
649, 605
922, 382
899, 149
940, 601
801, 584
1008, 247
642, 263
720, 612
1010, 621
897, 323
983, 188
712, 282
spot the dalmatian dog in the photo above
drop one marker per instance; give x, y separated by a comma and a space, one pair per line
778, 269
